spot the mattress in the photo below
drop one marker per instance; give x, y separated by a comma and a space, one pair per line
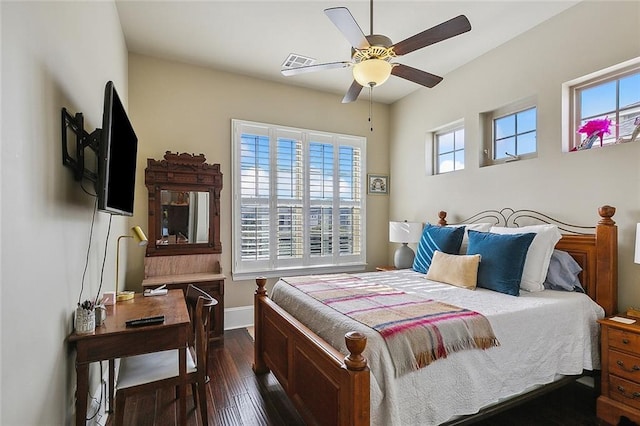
542, 335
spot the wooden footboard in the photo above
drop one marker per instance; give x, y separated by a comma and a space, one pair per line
326, 387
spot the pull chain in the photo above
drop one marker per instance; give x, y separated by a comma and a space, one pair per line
371, 107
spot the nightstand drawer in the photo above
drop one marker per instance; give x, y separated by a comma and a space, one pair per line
624, 340
624, 391
624, 365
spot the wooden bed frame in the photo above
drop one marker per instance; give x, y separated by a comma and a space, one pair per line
328, 388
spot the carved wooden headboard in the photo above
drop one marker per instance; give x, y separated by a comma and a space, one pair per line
595, 248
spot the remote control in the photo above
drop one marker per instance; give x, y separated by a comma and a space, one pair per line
145, 321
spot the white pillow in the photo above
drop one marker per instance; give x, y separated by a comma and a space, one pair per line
480, 227
536, 264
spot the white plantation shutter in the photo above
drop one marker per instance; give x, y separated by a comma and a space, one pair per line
299, 198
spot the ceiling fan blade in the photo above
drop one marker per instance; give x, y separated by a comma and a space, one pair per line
317, 67
343, 19
417, 76
451, 28
352, 93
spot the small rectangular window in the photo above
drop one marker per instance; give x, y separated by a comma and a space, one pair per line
510, 132
449, 150
614, 96
514, 134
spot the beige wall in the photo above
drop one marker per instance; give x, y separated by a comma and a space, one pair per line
184, 108
569, 186
54, 55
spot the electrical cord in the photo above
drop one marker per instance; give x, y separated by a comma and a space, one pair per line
86, 262
99, 402
104, 259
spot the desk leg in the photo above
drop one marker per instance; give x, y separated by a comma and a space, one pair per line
182, 364
82, 392
112, 379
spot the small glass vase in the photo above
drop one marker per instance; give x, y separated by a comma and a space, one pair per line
85, 321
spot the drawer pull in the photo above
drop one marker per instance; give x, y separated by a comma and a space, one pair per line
632, 396
630, 370
625, 341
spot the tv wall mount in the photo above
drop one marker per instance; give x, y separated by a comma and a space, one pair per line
83, 140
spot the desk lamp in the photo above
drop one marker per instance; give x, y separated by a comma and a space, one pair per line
404, 232
138, 234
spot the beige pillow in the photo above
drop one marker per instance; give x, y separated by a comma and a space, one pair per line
458, 270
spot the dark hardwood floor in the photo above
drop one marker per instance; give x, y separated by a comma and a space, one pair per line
236, 396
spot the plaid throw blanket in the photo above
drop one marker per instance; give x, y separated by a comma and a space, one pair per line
417, 331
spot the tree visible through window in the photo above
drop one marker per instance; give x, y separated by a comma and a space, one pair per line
300, 199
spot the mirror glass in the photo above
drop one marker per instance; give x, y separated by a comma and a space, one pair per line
185, 217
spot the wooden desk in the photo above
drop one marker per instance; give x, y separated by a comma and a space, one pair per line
114, 340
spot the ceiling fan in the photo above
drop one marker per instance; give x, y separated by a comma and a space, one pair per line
371, 55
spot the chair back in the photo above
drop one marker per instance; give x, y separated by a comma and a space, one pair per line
200, 304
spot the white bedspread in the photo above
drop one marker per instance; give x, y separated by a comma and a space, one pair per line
541, 335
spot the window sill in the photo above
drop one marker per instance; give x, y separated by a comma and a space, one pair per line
289, 272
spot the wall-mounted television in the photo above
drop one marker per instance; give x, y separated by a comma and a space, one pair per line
117, 153
116, 148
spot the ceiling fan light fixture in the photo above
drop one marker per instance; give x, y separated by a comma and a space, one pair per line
372, 72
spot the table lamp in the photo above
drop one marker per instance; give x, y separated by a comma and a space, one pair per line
404, 232
138, 234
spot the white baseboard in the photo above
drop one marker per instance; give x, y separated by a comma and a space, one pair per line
239, 317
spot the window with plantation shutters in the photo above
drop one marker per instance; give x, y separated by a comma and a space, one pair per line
298, 201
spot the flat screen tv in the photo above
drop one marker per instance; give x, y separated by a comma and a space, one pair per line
117, 151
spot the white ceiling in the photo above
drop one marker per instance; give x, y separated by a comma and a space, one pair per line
253, 38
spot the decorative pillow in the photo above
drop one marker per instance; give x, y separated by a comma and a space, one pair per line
537, 262
441, 238
563, 273
503, 258
458, 270
480, 227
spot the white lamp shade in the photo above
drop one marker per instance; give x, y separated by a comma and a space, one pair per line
371, 72
405, 232
637, 255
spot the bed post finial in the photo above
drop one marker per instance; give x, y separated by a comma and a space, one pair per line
261, 282
606, 213
443, 218
356, 343
259, 366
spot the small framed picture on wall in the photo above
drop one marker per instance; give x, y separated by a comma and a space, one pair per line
378, 184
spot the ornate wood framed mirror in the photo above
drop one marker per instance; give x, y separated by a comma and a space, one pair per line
184, 205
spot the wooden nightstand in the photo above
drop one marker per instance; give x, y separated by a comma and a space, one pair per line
386, 268
620, 393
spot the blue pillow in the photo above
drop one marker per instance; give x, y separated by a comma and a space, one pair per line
502, 261
441, 238
563, 273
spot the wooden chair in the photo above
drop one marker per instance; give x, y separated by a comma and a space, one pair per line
147, 372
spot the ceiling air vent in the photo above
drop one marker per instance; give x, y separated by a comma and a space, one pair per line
294, 61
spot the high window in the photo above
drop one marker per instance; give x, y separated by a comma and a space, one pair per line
298, 200
614, 95
449, 150
514, 134
510, 132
